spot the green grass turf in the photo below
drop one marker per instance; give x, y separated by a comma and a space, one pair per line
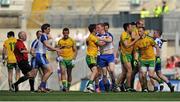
81, 96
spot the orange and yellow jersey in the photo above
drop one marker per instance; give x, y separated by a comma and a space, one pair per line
9, 45
66, 46
146, 48
125, 37
92, 48
135, 30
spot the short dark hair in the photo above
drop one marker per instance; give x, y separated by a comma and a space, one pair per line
10, 34
91, 27
106, 24
45, 26
125, 26
38, 31
65, 29
133, 23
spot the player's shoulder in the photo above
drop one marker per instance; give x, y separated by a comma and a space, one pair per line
71, 39
124, 33
150, 37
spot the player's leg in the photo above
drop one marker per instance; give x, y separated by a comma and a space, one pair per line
97, 78
27, 71
92, 64
10, 75
47, 70
151, 73
165, 79
142, 75
110, 60
18, 72
105, 79
122, 78
62, 65
134, 72
102, 63
112, 75
70, 66
129, 74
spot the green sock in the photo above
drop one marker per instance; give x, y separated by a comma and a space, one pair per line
161, 81
90, 82
64, 83
69, 85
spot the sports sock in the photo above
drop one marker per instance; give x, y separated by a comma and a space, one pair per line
43, 84
31, 82
21, 79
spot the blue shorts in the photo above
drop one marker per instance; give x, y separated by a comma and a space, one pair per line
104, 60
157, 67
33, 63
41, 60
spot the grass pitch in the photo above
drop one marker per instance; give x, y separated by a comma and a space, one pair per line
81, 96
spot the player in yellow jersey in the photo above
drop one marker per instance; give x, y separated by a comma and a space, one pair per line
91, 58
147, 60
68, 55
141, 23
126, 48
8, 49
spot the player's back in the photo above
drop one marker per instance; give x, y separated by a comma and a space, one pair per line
9, 44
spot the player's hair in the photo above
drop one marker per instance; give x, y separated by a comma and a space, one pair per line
45, 26
133, 23
159, 32
91, 27
142, 28
65, 29
106, 24
101, 24
20, 34
38, 32
10, 34
125, 26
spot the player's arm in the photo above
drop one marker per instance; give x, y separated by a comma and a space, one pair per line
3, 53
32, 52
24, 51
49, 46
157, 50
127, 45
44, 40
100, 43
107, 39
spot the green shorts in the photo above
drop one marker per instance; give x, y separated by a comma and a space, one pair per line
66, 63
147, 65
126, 58
91, 61
12, 65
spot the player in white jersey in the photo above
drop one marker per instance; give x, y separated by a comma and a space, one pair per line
41, 59
106, 57
160, 77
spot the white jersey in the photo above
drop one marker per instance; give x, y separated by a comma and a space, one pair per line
159, 43
108, 45
41, 48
